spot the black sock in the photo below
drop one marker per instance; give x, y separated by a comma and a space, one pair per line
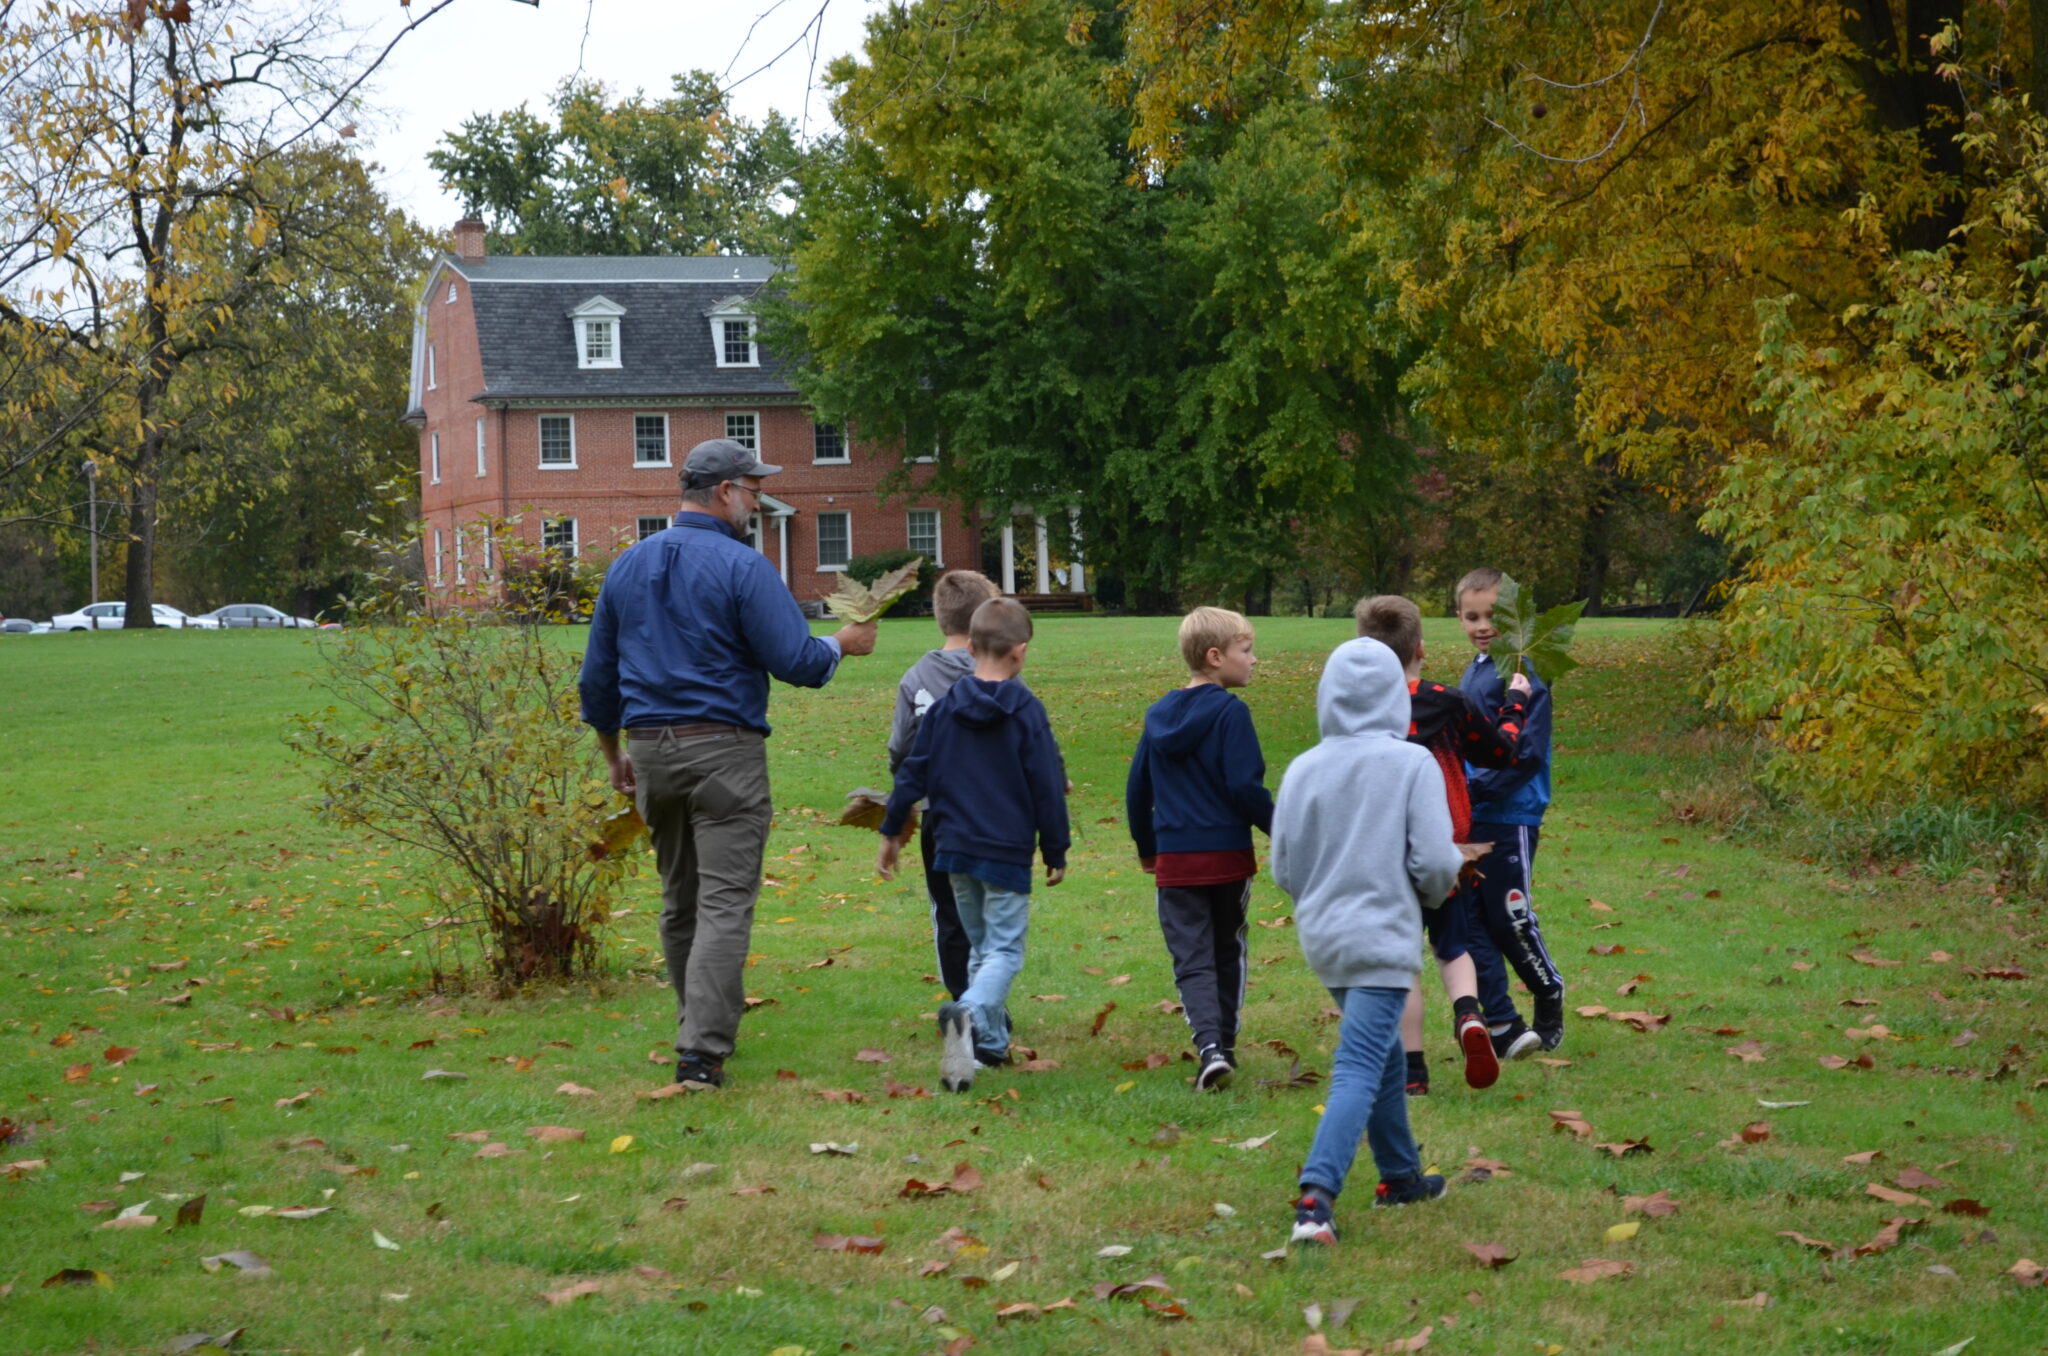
1418, 1067
1461, 1006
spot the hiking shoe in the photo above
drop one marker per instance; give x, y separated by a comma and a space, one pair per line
956, 1052
1549, 1024
1216, 1072
1312, 1222
1408, 1190
700, 1073
1517, 1042
1482, 1063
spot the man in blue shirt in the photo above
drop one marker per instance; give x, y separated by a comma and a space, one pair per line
689, 626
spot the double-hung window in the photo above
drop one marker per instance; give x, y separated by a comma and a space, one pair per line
458, 556
646, 525
480, 446
558, 441
434, 458
597, 323
835, 540
923, 535
432, 383
558, 534
650, 440
437, 557
732, 334
828, 444
744, 428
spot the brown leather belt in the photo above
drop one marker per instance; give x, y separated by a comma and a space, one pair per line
681, 731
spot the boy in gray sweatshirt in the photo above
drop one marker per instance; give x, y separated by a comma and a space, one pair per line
1362, 840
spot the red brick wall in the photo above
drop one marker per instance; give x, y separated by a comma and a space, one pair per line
606, 492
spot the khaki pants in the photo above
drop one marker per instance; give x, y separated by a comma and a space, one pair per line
705, 800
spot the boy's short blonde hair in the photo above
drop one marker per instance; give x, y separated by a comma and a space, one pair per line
1000, 625
955, 597
1479, 580
1210, 628
1393, 621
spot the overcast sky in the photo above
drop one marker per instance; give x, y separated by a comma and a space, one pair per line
492, 55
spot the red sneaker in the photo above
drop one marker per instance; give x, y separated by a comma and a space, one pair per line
1482, 1066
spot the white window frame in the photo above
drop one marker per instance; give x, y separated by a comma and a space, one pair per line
540, 433
460, 578
575, 536
451, 292
433, 384
605, 311
433, 458
937, 555
667, 458
822, 515
640, 522
482, 467
754, 445
845, 448
487, 534
733, 310
437, 557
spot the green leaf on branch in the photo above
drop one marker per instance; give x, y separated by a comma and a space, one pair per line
1527, 639
853, 601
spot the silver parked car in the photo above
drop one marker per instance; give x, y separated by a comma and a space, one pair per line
112, 617
239, 615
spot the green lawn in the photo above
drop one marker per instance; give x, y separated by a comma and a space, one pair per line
151, 815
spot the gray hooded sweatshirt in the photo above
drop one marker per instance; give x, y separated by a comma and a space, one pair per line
1362, 829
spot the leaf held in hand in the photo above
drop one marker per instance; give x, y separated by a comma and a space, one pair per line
853, 601
1525, 639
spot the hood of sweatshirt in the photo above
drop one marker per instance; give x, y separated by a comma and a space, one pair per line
1179, 723
1363, 692
980, 703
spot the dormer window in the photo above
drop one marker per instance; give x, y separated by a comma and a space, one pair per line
597, 333
732, 334
451, 292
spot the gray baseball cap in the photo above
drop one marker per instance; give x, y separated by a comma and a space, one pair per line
722, 459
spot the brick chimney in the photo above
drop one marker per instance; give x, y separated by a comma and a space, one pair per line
469, 239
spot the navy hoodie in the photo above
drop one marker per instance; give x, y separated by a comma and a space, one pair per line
986, 760
1198, 780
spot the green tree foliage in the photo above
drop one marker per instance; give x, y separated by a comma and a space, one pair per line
681, 174
1202, 362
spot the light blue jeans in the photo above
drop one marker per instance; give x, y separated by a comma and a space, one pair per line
1368, 1093
994, 920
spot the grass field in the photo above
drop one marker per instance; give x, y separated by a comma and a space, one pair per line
210, 993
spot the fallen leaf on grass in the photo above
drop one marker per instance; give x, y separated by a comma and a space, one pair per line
1628, 1147
762, 1190
622, 1144
1168, 1008
1759, 1300
1553, 1063
965, 1178
1912, 1179
1640, 1021
1622, 1233
191, 1212
2026, 1271
496, 1149
576, 1090
1885, 1193
382, 1242
247, 1263
1596, 1269
1155, 1060
1095, 1028
1749, 1052
1114, 1250
871, 1056
434, 1074
300, 1211
896, 1089
127, 1221
570, 1293
664, 1092
1802, 965
848, 1243
553, 1134
1803, 1241
1865, 956
1963, 1205
472, 1136
1887, 1238
1255, 1142
80, 1276
1877, 1031
1021, 1309
117, 1055
1004, 1272
1995, 972
1612, 949
843, 1095
1040, 1066
1572, 1122
1490, 1255
1657, 1205
21, 1167
1593, 1010
1131, 1289
933, 1267
675, 1205
835, 1149
1049, 997
1315, 1344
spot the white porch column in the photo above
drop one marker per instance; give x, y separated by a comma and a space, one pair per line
1080, 569
1044, 576
782, 545
1010, 554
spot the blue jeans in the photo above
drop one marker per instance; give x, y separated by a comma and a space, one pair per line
994, 920
1368, 1093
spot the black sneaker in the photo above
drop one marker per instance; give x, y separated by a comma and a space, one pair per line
1408, 1190
699, 1072
1216, 1071
1549, 1024
989, 1060
956, 1051
1517, 1042
1312, 1222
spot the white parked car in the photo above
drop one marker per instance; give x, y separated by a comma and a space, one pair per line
111, 617
237, 616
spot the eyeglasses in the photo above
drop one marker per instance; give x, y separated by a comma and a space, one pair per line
754, 490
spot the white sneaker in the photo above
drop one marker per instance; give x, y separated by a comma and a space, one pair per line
956, 1052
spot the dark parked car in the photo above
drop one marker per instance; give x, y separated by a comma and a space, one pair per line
239, 615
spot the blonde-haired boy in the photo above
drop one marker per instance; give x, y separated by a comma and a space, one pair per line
955, 597
1196, 790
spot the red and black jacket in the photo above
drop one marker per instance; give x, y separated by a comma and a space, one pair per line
1456, 731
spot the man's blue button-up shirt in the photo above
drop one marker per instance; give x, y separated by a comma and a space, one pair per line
688, 627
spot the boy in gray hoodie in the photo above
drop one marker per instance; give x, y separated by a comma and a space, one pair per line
1362, 840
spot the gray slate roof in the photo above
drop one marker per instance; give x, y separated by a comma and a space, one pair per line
522, 305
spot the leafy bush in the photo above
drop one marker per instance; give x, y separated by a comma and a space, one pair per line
867, 569
457, 735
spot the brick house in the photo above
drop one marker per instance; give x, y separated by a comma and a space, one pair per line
567, 390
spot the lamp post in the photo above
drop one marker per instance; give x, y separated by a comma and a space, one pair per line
92, 521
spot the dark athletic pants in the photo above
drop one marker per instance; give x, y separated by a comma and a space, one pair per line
1501, 921
1205, 935
948, 937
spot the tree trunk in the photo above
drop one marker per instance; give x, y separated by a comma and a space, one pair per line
138, 590
1596, 543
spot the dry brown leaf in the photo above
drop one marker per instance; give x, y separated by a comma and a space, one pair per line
1865, 1158
1657, 1205
1886, 1194
1887, 1238
1963, 1205
570, 1293
1749, 1052
472, 1136
496, 1150
1912, 1179
1759, 1300
576, 1090
871, 1056
1628, 1147
553, 1134
848, 1243
1490, 1255
1865, 956
1803, 1241
1596, 1269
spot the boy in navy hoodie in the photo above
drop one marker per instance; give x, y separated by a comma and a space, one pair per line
1197, 788
986, 762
